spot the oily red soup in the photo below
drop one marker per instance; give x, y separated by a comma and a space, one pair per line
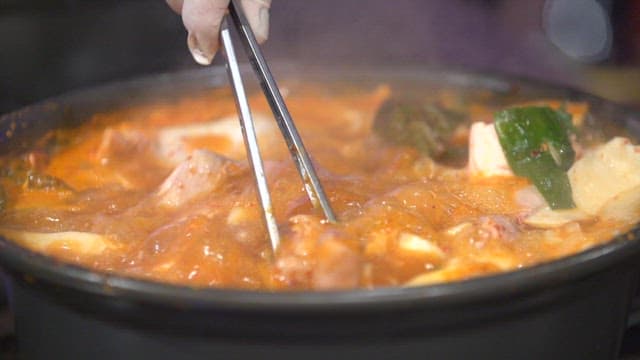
163, 192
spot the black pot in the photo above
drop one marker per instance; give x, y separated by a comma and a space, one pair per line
573, 308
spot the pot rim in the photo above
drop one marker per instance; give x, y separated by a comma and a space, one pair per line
34, 268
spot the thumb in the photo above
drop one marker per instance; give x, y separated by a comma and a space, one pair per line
202, 18
257, 12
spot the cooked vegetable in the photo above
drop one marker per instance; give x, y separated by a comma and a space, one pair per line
547, 218
536, 144
594, 192
76, 241
426, 127
606, 181
21, 172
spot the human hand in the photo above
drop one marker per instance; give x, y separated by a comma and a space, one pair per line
202, 18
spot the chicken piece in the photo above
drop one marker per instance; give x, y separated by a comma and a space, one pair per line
223, 136
497, 227
294, 260
337, 266
490, 227
485, 152
529, 200
121, 152
201, 173
490, 234
75, 241
315, 257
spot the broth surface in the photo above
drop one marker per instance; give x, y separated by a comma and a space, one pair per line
163, 192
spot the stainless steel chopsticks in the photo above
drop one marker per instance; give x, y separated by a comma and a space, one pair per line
305, 168
279, 108
249, 134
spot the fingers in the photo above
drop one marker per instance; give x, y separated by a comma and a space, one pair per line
202, 19
257, 12
175, 5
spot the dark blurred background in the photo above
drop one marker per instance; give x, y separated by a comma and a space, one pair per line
48, 47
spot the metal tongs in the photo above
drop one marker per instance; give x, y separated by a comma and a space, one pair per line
288, 129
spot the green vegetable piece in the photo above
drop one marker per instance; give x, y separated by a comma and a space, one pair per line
536, 143
425, 127
40, 181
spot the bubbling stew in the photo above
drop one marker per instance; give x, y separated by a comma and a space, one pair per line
428, 187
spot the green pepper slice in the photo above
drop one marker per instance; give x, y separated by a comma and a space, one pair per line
535, 141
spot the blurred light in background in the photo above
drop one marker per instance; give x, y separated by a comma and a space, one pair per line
581, 29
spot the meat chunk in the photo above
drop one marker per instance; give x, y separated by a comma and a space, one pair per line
318, 258
295, 257
337, 267
486, 230
497, 227
122, 152
199, 174
529, 200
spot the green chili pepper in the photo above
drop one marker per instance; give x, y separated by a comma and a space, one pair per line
535, 141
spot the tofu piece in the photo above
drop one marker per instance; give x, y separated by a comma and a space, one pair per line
485, 152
